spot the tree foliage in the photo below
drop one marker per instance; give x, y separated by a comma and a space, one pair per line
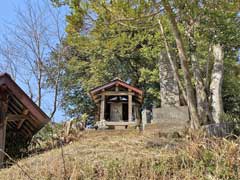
108, 39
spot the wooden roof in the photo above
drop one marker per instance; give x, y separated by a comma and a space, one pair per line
23, 116
116, 82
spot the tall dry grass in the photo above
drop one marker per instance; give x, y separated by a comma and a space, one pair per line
130, 155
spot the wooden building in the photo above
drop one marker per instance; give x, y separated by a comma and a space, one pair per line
20, 117
118, 103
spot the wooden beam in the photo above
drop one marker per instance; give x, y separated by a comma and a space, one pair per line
97, 100
3, 122
129, 107
30, 126
25, 113
120, 83
117, 87
140, 100
17, 101
117, 93
20, 123
102, 108
34, 120
16, 117
11, 110
14, 107
95, 96
119, 123
29, 132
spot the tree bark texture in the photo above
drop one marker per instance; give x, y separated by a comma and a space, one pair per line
202, 103
216, 83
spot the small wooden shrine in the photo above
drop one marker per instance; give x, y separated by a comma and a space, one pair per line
20, 117
118, 103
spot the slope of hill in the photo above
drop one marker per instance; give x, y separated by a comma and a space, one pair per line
128, 154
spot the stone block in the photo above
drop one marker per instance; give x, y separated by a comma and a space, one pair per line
171, 118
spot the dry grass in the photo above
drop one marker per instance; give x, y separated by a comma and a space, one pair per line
127, 154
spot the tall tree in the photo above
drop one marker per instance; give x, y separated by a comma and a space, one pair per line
123, 38
195, 121
216, 83
101, 49
196, 18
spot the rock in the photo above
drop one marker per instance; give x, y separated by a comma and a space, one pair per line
101, 124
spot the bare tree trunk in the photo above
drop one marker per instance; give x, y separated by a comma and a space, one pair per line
202, 103
55, 100
56, 79
208, 68
191, 100
39, 83
207, 81
216, 83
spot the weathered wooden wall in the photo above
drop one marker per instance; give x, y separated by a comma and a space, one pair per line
116, 112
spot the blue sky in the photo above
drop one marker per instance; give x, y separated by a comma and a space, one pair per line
7, 11
8, 15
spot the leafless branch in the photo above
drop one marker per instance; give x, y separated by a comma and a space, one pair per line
38, 31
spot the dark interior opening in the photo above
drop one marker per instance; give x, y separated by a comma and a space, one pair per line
107, 112
125, 112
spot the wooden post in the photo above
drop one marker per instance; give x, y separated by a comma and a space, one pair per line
116, 88
102, 108
3, 122
144, 120
129, 107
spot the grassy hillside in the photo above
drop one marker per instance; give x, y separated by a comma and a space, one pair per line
127, 154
